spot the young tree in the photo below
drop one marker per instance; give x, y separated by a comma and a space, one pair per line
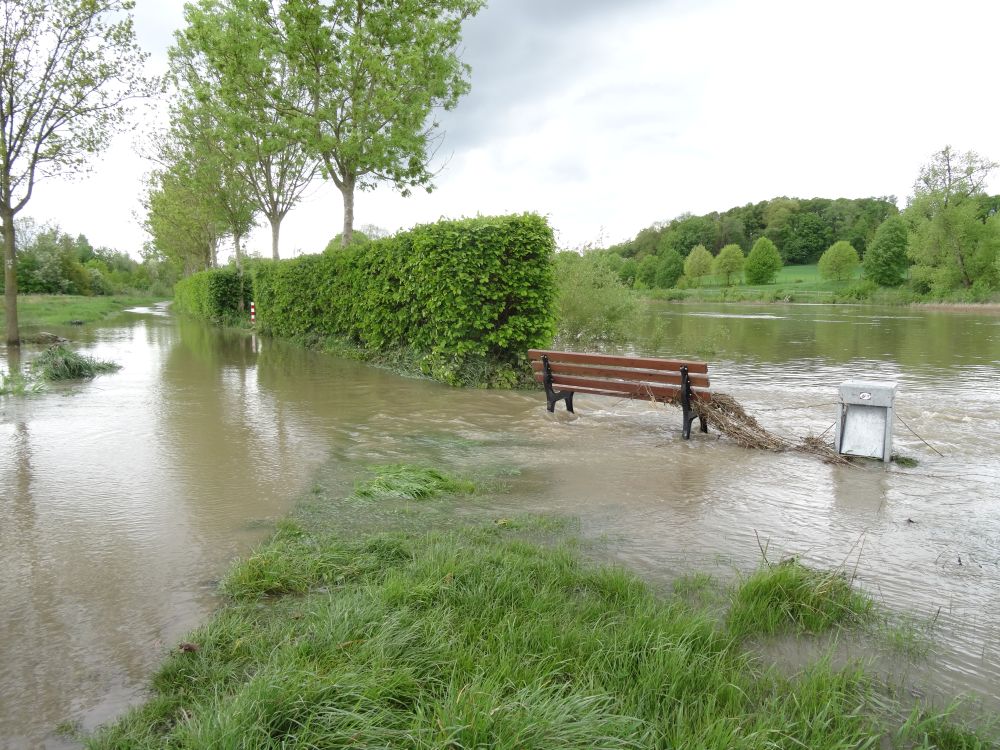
763, 262
226, 68
698, 263
885, 259
729, 262
67, 67
366, 78
839, 262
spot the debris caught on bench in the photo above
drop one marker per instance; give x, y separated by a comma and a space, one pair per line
728, 417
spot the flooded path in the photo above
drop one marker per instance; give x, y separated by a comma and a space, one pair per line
122, 500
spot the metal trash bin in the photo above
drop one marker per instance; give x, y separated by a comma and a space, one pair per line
864, 426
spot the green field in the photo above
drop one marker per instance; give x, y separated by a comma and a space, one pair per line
36, 310
792, 284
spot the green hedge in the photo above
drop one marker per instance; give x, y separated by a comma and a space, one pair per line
214, 295
456, 293
462, 301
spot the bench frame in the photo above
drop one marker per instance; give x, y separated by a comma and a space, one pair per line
631, 384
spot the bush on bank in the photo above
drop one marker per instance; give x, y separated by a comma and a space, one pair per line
456, 293
214, 295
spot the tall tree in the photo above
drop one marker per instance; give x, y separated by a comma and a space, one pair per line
366, 77
952, 243
227, 65
185, 228
67, 68
197, 145
885, 259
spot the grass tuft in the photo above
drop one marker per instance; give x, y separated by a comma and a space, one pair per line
62, 363
406, 482
791, 596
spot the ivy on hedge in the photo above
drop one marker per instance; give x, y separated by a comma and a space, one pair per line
213, 295
468, 296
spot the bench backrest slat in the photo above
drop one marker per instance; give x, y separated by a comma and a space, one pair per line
624, 389
622, 373
645, 363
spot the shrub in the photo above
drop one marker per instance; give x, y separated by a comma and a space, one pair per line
592, 302
729, 262
455, 292
839, 262
698, 264
763, 262
214, 295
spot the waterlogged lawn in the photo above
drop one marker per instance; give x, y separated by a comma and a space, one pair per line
497, 633
60, 309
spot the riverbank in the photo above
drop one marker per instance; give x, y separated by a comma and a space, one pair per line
38, 310
408, 614
803, 284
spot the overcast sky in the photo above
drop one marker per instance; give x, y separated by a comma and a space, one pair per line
608, 116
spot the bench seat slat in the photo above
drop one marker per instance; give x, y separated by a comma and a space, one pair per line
646, 363
621, 388
621, 373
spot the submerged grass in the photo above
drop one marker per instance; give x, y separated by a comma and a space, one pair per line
62, 363
792, 597
408, 482
15, 384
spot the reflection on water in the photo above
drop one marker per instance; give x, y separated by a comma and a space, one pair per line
123, 499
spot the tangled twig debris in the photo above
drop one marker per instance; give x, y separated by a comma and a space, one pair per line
725, 414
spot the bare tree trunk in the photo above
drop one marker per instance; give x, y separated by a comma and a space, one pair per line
10, 278
239, 269
347, 190
275, 230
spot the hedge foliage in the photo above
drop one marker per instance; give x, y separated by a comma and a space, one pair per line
466, 298
214, 295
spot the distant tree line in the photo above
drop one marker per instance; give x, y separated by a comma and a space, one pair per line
947, 240
50, 261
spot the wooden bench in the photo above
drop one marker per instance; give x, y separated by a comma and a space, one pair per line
665, 380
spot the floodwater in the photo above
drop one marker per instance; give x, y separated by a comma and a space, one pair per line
124, 499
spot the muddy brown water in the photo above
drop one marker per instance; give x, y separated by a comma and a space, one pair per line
124, 499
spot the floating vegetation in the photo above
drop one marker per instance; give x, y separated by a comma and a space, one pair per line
15, 384
907, 462
62, 363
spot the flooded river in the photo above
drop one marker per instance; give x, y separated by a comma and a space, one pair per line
123, 499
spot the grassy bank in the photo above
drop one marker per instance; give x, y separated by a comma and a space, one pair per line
425, 630
40, 310
804, 284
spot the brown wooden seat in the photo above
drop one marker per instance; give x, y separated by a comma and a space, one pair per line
665, 380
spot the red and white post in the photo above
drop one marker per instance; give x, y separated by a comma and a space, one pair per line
253, 314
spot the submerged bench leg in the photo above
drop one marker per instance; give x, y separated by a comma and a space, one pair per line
689, 413
552, 395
